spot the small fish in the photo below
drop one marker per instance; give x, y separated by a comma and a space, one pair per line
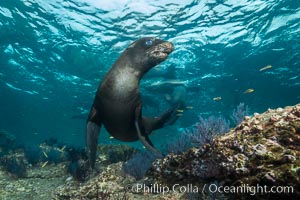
266, 67
180, 111
179, 114
158, 68
249, 91
45, 163
189, 107
45, 154
111, 137
62, 149
169, 82
217, 98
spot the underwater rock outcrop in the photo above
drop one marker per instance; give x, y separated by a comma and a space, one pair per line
115, 153
263, 150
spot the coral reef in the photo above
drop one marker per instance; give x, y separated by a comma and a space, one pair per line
14, 165
38, 184
111, 183
115, 153
262, 150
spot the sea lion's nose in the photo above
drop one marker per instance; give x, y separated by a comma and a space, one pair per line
167, 47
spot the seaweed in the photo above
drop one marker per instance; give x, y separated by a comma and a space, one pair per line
14, 166
33, 154
77, 167
78, 170
76, 153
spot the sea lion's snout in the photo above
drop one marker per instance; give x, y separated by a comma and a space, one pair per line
161, 51
166, 47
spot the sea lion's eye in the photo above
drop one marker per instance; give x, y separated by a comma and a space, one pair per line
149, 42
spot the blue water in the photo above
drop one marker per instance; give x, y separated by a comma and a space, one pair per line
54, 53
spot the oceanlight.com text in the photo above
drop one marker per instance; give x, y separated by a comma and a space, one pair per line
211, 188
247, 189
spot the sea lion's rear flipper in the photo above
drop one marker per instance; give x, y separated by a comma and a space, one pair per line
92, 133
142, 136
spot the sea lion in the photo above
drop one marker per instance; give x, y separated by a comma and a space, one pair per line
117, 103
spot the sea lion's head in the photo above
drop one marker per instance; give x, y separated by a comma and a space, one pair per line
147, 52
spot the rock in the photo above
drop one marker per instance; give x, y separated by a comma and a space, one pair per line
262, 150
258, 152
115, 153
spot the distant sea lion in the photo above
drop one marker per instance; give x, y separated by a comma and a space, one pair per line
117, 103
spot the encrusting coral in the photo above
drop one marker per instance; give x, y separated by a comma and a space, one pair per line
262, 150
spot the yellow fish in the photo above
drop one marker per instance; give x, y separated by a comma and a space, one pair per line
45, 163
189, 107
249, 91
266, 67
217, 98
180, 111
179, 114
111, 137
62, 149
45, 154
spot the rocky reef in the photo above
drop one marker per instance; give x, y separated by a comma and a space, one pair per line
262, 151
258, 159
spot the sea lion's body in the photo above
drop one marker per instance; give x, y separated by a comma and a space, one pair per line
117, 104
118, 101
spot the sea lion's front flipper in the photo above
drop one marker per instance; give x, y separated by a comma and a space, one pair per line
92, 133
170, 116
167, 118
142, 136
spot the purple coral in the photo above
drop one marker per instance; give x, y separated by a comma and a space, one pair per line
179, 144
206, 129
239, 113
138, 165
